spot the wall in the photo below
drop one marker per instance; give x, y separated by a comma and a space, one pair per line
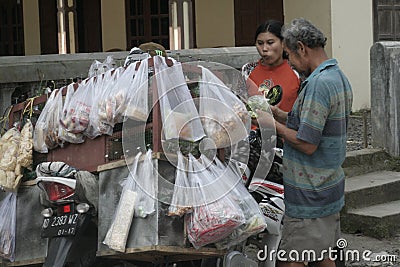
215, 23
352, 31
113, 24
385, 82
31, 27
348, 25
316, 11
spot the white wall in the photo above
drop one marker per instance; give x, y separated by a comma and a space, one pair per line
352, 31
348, 25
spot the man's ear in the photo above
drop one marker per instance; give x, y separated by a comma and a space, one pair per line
301, 47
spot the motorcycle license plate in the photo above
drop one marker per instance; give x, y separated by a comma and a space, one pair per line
61, 225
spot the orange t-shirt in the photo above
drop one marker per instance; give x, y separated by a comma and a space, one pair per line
267, 77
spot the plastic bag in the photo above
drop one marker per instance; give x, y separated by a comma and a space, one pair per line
145, 187
118, 233
8, 216
255, 221
41, 127
215, 215
179, 115
224, 116
76, 119
101, 119
181, 198
137, 103
63, 134
53, 121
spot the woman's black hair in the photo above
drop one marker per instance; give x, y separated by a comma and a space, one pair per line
272, 26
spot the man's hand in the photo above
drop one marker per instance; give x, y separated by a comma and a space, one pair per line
279, 114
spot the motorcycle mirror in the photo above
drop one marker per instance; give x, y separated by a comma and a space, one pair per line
274, 95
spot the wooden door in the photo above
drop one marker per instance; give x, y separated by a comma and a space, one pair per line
11, 28
48, 27
386, 20
89, 26
251, 13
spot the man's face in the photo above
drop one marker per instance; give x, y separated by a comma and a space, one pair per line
298, 61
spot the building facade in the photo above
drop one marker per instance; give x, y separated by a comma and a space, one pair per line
39, 27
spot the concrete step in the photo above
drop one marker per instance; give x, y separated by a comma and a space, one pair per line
364, 161
371, 189
380, 221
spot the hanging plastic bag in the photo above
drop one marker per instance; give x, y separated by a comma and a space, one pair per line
146, 187
254, 219
179, 115
63, 134
41, 126
8, 215
104, 104
181, 202
224, 116
118, 233
215, 215
76, 120
53, 121
137, 105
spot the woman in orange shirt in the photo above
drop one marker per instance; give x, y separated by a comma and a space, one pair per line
272, 68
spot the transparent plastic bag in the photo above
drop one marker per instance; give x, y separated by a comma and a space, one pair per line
181, 202
63, 134
118, 233
215, 215
179, 115
76, 119
137, 105
255, 221
224, 116
103, 110
145, 187
8, 216
41, 127
53, 121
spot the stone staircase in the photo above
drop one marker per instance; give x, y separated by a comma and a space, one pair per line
372, 194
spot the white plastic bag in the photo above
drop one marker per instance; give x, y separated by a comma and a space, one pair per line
137, 107
181, 202
41, 127
76, 120
224, 116
215, 215
63, 134
8, 216
145, 187
118, 233
179, 115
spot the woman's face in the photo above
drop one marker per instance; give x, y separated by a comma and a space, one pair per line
270, 49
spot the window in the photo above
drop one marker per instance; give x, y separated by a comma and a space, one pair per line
386, 20
11, 28
147, 21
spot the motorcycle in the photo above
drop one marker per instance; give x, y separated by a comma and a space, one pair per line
69, 216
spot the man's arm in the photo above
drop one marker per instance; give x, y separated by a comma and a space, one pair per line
289, 135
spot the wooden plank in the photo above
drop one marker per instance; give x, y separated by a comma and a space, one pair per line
163, 253
25, 262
